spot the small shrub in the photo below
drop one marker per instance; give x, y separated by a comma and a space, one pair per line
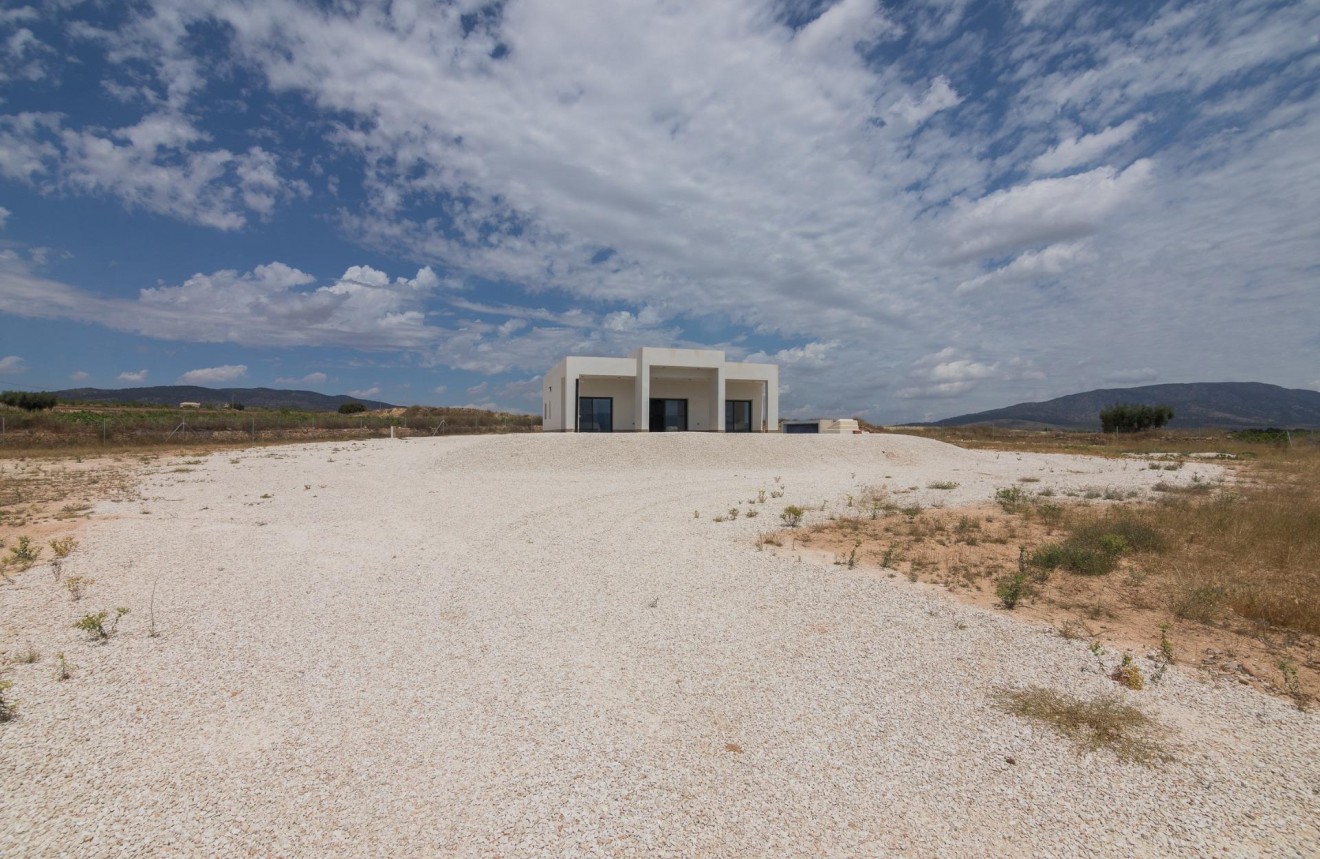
95, 624
942, 484
352, 408
733, 512
792, 515
1013, 589
23, 554
8, 709
63, 547
1009, 497
752, 514
77, 586
63, 667
1071, 630
1050, 514
1203, 603
1128, 673
1292, 687
28, 656
1083, 560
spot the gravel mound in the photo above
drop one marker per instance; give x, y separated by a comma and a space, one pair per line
530, 646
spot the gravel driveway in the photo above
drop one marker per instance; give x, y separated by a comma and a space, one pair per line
530, 646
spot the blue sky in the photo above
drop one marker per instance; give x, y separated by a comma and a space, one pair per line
917, 209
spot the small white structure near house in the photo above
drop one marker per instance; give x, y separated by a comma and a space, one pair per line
660, 390
190, 405
823, 426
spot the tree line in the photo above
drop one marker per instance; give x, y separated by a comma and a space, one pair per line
30, 401
1129, 417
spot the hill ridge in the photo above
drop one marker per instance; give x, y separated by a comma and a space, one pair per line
1233, 405
265, 398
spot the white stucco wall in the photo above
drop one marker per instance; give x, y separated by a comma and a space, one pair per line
697, 393
625, 416
700, 376
735, 389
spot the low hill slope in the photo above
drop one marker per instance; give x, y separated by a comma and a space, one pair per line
1198, 404
261, 398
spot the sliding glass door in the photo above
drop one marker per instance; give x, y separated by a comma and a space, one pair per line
595, 414
737, 415
669, 415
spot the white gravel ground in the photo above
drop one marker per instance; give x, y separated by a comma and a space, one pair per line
528, 646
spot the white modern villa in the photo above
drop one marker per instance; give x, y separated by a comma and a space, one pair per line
660, 390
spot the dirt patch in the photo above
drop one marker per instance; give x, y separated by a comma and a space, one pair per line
46, 497
965, 552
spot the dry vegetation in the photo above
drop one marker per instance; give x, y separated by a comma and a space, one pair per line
1101, 722
47, 496
1231, 572
100, 428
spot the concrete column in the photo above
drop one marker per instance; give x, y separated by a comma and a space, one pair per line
772, 404
642, 401
570, 384
758, 409
718, 405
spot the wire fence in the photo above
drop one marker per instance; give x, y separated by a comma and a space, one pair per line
89, 429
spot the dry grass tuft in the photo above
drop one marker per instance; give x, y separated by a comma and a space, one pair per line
1100, 722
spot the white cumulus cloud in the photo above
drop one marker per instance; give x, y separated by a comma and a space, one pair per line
132, 376
12, 364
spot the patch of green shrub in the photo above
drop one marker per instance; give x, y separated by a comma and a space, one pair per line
28, 401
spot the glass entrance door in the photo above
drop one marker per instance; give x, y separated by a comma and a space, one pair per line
737, 415
595, 414
669, 415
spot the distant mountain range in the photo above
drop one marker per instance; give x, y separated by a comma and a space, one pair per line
257, 398
1198, 404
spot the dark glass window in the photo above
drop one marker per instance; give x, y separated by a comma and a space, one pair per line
669, 415
737, 415
595, 414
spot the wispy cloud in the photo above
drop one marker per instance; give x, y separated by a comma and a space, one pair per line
214, 375
133, 377
317, 378
12, 364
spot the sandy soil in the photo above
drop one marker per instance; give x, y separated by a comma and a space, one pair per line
531, 646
